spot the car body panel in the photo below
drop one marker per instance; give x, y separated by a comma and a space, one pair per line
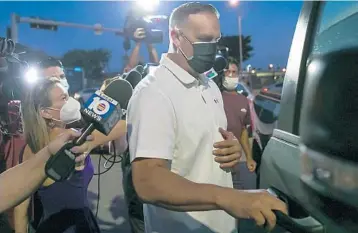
280, 165
283, 157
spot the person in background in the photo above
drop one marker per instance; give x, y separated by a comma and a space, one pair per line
18, 183
53, 68
133, 61
46, 112
238, 116
237, 112
179, 147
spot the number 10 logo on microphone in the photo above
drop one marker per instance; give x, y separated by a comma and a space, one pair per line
99, 106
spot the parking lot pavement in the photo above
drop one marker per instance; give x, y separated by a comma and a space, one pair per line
112, 212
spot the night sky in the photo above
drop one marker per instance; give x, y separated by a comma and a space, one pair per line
271, 25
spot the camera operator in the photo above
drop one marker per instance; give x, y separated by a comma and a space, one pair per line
13, 185
139, 36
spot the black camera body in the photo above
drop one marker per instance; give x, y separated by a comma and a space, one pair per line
148, 23
12, 71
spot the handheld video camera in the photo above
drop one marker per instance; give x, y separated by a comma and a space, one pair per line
12, 72
148, 23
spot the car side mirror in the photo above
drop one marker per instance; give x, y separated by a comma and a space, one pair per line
329, 125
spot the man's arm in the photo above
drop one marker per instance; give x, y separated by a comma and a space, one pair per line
17, 183
244, 138
153, 55
133, 58
156, 184
21, 218
245, 143
151, 143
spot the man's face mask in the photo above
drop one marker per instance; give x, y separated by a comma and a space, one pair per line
70, 111
203, 55
230, 84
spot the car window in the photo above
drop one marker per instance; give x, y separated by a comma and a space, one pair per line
337, 27
267, 109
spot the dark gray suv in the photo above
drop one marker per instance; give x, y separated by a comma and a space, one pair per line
311, 160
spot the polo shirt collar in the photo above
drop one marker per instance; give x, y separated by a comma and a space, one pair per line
179, 72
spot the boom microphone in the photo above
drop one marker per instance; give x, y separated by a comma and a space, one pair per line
135, 75
102, 112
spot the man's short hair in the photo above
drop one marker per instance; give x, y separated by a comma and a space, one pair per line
180, 14
232, 60
49, 62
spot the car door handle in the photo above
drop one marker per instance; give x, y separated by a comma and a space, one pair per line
306, 224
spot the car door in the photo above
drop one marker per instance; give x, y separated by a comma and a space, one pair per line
323, 30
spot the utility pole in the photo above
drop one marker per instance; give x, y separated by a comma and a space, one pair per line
13, 28
240, 44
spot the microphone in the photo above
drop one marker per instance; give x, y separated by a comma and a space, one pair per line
139, 68
220, 63
102, 111
135, 75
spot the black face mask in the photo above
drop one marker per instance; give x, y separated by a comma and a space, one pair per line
203, 58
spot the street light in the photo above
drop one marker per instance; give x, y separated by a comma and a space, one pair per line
31, 75
271, 66
147, 5
233, 3
284, 70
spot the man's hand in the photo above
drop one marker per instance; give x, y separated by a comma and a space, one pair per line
65, 137
228, 152
252, 204
139, 34
251, 165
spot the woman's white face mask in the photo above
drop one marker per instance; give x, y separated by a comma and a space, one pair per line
70, 111
230, 84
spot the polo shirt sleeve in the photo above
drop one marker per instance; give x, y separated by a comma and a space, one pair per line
151, 125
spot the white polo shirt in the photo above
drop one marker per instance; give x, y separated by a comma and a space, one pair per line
176, 117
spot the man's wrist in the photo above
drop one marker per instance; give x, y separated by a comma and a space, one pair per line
249, 156
220, 196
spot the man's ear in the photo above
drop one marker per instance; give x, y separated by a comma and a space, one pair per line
174, 37
45, 114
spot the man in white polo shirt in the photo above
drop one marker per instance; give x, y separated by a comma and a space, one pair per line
179, 149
